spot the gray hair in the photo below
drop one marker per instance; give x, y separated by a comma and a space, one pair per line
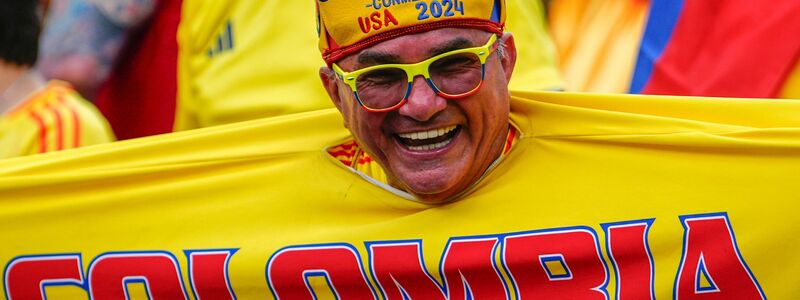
501, 49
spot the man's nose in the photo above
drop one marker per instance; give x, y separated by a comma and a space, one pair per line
423, 102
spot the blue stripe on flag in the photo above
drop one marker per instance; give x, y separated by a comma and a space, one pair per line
496, 11
658, 31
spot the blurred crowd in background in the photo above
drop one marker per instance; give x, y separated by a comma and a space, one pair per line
157, 66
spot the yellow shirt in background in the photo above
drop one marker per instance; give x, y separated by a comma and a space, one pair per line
598, 42
244, 60
52, 119
535, 49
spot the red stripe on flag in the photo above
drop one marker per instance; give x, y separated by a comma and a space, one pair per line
731, 48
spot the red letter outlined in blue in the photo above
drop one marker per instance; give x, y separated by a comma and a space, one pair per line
629, 252
399, 271
584, 275
470, 271
208, 274
26, 277
110, 273
289, 268
710, 250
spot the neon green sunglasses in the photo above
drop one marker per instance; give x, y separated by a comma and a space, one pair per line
452, 75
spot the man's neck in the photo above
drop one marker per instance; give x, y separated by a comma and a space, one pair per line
16, 84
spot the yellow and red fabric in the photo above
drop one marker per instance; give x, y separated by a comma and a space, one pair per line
54, 118
791, 89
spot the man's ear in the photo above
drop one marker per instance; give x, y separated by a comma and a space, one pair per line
509, 59
328, 78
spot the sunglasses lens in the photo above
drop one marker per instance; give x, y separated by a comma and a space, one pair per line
382, 88
456, 74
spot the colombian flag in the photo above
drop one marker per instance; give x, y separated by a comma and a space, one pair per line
731, 48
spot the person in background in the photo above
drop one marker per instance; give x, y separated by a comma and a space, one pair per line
37, 116
82, 39
122, 53
236, 60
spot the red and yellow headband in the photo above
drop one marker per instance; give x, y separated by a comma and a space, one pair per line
348, 26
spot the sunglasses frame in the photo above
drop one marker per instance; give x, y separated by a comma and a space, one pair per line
417, 69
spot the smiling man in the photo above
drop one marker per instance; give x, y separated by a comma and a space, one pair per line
423, 87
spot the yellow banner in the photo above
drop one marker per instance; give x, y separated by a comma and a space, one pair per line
604, 196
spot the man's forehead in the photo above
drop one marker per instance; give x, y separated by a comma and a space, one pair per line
417, 47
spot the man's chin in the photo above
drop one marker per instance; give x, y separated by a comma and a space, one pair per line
440, 198
432, 190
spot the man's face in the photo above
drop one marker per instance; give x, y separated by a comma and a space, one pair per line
464, 136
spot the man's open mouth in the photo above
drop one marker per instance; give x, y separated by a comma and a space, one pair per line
428, 140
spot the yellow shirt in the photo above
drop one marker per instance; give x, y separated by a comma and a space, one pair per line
52, 119
244, 60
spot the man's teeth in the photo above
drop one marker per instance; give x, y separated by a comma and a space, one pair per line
430, 146
428, 140
430, 134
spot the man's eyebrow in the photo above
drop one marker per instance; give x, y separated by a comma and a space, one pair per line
369, 58
454, 44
